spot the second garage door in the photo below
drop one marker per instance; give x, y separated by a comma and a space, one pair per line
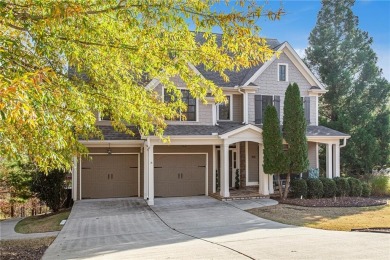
109, 176
179, 175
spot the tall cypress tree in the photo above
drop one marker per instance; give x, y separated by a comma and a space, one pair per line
294, 132
358, 96
274, 158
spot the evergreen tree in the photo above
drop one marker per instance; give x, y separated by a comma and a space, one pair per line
294, 132
358, 96
274, 158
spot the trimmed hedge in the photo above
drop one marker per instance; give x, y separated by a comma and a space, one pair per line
330, 188
299, 188
315, 188
343, 188
366, 189
356, 187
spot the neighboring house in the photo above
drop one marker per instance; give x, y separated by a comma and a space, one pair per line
215, 141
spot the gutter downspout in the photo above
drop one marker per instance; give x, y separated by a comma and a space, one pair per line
244, 100
344, 143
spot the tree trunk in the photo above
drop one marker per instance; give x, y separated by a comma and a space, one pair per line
280, 187
287, 186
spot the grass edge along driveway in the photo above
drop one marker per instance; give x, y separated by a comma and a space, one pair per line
328, 218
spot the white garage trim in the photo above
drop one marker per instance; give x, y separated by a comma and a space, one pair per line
138, 162
206, 171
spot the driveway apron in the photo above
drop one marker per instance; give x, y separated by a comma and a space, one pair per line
199, 228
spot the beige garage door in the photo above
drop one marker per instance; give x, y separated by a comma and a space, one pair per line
109, 176
179, 175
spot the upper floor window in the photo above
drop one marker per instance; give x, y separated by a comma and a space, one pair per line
190, 114
306, 107
282, 72
261, 103
225, 110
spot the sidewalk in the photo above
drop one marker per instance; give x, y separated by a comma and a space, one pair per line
7, 231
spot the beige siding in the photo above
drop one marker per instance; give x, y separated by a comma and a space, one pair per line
191, 149
237, 108
253, 162
269, 85
312, 154
204, 112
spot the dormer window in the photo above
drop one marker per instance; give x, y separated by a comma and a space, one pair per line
224, 112
282, 72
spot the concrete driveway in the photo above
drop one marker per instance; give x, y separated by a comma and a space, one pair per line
199, 228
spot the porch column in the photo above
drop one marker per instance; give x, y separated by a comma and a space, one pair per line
151, 175
336, 160
224, 175
271, 183
74, 178
146, 171
263, 178
214, 167
329, 158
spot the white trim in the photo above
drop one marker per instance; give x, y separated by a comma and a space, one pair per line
197, 106
230, 109
80, 198
113, 143
278, 68
138, 162
152, 84
206, 172
298, 63
246, 164
74, 178
214, 167
316, 115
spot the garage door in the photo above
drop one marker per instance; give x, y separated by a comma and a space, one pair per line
179, 175
109, 176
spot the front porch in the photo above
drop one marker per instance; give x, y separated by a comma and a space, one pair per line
247, 193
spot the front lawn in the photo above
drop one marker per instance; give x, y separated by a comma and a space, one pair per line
24, 248
329, 218
42, 223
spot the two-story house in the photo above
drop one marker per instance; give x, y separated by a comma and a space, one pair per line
213, 143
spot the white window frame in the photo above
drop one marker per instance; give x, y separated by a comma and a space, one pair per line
197, 106
230, 109
283, 64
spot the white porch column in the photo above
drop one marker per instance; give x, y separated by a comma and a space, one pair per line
245, 108
74, 178
214, 167
263, 178
271, 183
146, 170
336, 160
224, 175
151, 175
329, 158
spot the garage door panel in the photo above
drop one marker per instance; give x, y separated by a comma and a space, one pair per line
110, 176
179, 175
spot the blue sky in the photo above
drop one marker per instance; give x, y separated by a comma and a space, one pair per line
300, 18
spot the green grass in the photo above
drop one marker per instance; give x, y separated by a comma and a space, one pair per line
42, 223
329, 218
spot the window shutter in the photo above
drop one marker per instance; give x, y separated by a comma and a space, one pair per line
258, 109
277, 105
307, 109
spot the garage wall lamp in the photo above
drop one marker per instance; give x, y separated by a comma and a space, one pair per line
109, 149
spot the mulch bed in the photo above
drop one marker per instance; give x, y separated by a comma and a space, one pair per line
338, 202
30, 249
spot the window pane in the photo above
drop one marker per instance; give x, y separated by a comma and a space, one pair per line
266, 101
224, 110
282, 72
191, 105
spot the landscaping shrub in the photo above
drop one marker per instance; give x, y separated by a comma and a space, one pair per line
299, 188
315, 189
50, 188
330, 188
366, 189
380, 185
342, 185
355, 187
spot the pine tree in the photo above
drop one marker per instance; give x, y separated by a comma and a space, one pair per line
294, 132
358, 96
274, 157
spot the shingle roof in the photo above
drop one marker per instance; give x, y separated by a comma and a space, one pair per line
109, 133
201, 129
322, 131
236, 78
